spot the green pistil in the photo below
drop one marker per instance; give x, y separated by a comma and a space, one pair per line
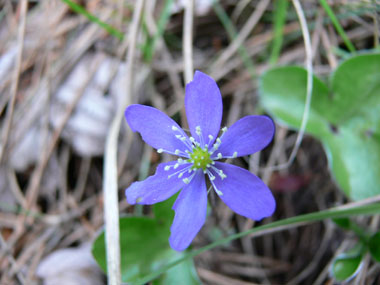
200, 158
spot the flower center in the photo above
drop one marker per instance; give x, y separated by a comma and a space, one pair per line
200, 157
197, 156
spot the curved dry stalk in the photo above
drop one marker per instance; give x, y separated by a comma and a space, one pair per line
188, 41
309, 85
16, 76
110, 188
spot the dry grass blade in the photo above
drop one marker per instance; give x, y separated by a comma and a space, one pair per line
16, 76
110, 185
244, 33
188, 41
309, 84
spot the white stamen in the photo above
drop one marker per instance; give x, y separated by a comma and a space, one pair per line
212, 178
180, 175
210, 139
222, 175
219, 156
182, 137
167, 167
176, 165
188, 180
178, 152
210, 175
198, 130
219, 172
224, 129
160, 150
234, 155
183, 170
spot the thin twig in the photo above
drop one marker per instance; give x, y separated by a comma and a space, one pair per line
188, 41
309, 85
16, 76
11, 259
244, 33
110, 188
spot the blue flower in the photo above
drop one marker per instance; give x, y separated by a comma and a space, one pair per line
200, 155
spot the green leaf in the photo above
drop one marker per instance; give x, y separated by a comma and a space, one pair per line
374, 246
355, 162
145, 247
184, 273
347, 265
345, 117
283, 92
163, 212
344, 223
356, 92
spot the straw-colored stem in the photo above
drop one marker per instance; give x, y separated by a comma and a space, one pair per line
110, 185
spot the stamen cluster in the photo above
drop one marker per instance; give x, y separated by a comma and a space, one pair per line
198, 156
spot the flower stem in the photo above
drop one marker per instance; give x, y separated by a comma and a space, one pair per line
271, 228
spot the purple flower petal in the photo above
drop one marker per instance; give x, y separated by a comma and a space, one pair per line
190, 213
158, 187
247, 136
204, 106
243, 192
156, 128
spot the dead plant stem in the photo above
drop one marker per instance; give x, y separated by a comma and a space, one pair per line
188, 41
110, 185
309, 85
16, 77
